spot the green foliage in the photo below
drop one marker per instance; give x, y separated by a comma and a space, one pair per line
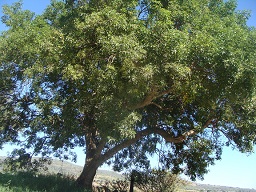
114, 185
123, 77
157, 180
19, 160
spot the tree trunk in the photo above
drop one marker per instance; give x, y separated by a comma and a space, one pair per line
94, 158
92, 162
132, 182
85, 179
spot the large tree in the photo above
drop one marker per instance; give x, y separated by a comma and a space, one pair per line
128, 79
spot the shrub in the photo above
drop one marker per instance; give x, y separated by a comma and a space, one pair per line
157, 181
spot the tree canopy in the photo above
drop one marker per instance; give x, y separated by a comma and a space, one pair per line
123, 78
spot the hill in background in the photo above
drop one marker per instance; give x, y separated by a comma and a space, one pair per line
71, 169
67, 168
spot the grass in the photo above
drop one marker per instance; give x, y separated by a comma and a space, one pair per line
51, 181
27, 182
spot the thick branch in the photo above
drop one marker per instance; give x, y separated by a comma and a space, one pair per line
126, 143
167, 136
164, 92
140, 134
100, 147
147, 101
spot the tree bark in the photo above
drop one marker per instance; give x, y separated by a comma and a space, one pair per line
132, 182
92, 161
85, 179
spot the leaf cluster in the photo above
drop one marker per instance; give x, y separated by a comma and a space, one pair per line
157, 180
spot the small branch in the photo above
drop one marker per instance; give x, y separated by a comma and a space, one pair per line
159, 106
147, 101
142, 10
164, 92
170, 139
181, 138
207, 123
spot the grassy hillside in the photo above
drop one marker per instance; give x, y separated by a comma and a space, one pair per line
52, 182
66, 168
70, 169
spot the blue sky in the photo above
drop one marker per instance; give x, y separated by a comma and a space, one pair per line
235, 169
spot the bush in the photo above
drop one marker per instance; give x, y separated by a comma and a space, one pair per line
157, 181
115, 185
19, 160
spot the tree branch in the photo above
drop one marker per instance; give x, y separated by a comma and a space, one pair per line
170, 139
164, 92
126, 143
150, 97
147, 101
100, 147
181, 138
167, 136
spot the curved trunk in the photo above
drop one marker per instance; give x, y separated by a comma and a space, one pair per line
92, 161
94, 158
85, 179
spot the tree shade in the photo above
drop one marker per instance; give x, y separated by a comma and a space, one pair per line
120, 78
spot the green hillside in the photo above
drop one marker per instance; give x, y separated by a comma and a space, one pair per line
70, 170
